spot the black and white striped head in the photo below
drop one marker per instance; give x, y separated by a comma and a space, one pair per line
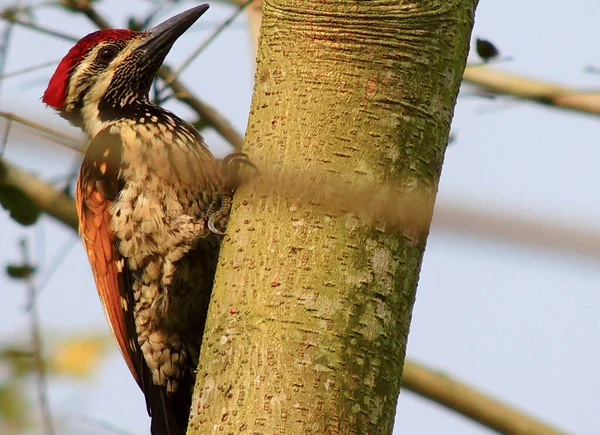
110, 70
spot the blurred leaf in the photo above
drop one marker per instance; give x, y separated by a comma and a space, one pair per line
20, 271
135, 24
451, 138
486, 50
13, 409
200, 124
78, 356
20, 360
591, 69
20, 206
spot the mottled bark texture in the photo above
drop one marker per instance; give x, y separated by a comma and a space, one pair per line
308, 324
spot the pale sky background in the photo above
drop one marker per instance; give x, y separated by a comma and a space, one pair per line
517, 322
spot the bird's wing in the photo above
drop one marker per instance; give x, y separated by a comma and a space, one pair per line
97, 188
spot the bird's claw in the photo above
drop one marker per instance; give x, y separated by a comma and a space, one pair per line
213, 229
230, 169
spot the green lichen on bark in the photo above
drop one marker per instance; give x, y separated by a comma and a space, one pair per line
312, 302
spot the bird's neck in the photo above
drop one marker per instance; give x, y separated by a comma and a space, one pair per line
96, 117
92, 125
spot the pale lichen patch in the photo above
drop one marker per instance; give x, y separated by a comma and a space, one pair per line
382, 311
351, 222
381, 261
370, 323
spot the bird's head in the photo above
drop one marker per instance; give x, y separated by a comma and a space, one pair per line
108, 71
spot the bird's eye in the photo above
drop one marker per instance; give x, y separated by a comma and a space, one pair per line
107, 54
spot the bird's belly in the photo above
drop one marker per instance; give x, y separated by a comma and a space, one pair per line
172, 257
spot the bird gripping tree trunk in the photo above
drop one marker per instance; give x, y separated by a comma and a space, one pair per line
152, 203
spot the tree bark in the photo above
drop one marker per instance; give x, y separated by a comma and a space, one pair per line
311, 307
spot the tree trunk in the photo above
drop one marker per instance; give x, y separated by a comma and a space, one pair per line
307, 327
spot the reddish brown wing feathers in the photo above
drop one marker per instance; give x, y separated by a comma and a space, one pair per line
97, 187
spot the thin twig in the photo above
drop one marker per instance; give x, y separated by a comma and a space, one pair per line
56, 262
36, 337
41, 29
471, 403
491, 62
46, 132
5, 137
85, 8
29, 69
254, 22
4, 43
157, 8
186, 63
208, 113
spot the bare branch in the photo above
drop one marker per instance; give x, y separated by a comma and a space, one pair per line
254, 14
472, 404
186, 63
4, 140
36, 337
4, 43
29, 69
45, 132
208, 113
500, 82
85, 7
7, 15
547, 235
48, 199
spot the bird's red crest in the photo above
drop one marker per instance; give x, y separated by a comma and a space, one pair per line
56, 92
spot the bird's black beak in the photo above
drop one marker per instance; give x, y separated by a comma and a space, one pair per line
162, 37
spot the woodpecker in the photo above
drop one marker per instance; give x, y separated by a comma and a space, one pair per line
152, 202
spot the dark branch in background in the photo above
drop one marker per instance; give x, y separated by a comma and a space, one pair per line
85, 8
208, 41
36, 338
209, 115
471, 403
48, 200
